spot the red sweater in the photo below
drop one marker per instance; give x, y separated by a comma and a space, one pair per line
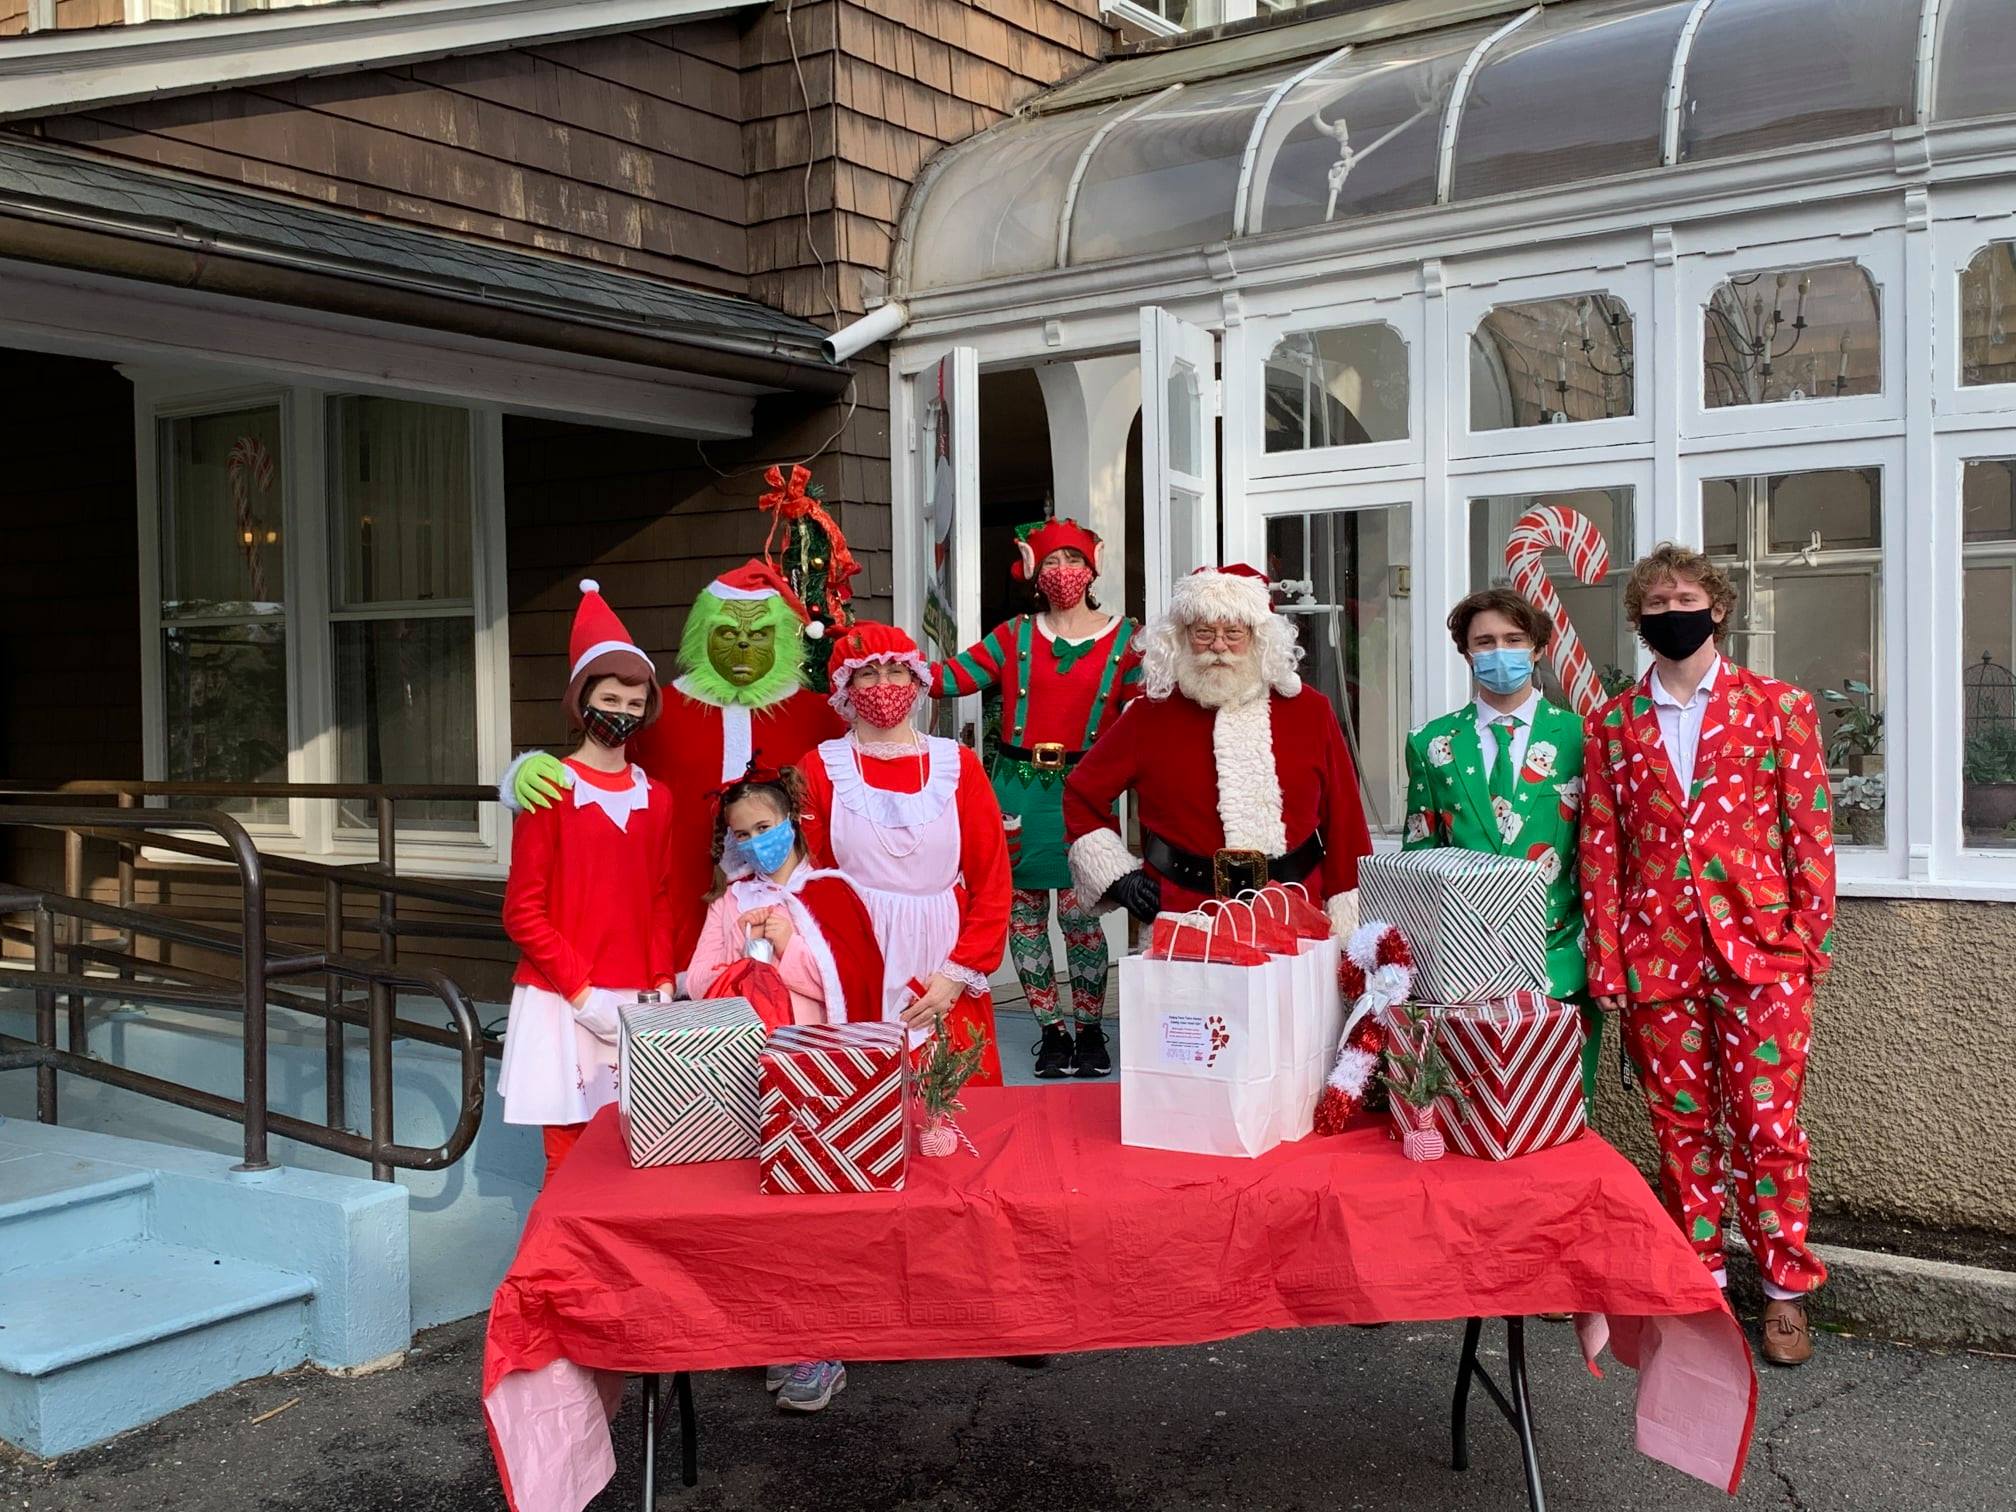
983, 847
588, 904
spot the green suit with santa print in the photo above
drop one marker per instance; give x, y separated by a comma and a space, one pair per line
1450, 802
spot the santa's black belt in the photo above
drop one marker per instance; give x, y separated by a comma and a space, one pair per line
1047, 756
1230, 872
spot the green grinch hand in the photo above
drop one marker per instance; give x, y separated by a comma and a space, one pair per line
541, 779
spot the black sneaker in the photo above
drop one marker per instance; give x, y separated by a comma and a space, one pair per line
1091, 1058
1053, 1055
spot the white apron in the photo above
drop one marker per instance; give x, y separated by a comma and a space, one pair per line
553, 1071
901, 850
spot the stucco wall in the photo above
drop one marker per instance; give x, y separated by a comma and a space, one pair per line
1909, 1104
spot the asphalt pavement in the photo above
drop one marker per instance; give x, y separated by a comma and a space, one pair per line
1320, 1419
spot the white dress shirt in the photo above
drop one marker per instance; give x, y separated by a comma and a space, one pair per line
1521, 732
1680, 723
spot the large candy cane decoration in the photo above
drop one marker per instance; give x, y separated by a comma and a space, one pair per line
249, 463
1548, 527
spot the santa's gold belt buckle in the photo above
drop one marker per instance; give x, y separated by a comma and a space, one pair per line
1048, 756
1237, 871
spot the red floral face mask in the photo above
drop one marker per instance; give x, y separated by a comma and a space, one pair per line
886, 705
1063, 584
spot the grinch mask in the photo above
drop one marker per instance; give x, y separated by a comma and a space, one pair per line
742, 651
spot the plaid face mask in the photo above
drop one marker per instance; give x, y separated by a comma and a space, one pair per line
607, 728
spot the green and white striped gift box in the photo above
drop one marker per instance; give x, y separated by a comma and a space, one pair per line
687, 1074
1477, 923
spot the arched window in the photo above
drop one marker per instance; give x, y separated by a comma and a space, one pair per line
1340, 386
1552, 362
1792, 334
1988, 316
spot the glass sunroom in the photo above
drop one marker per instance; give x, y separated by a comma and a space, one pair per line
1354, 295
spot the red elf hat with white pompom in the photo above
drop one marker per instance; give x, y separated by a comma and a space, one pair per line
1053, 535
599, 646
756, 580
863, 642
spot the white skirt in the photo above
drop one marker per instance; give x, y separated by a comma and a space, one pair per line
554, 1071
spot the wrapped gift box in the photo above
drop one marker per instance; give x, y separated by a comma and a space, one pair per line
687, 1081
1477, 923
836, 1108
1519, 1060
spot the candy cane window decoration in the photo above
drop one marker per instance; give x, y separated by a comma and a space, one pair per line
1550, 527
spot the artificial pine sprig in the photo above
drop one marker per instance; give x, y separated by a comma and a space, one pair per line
1429, 1075
946, 1069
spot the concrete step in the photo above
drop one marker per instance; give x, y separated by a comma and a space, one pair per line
94, 1344
54, 1204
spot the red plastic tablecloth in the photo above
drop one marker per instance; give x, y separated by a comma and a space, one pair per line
682, 1268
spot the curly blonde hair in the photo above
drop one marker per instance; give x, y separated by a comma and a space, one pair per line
1683, 564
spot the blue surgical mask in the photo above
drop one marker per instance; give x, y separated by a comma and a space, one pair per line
1502, 670
769, 850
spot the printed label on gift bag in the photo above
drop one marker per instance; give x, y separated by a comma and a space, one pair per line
1193, 1039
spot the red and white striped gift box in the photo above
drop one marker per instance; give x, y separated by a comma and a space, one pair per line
1519, 1060
835, 1108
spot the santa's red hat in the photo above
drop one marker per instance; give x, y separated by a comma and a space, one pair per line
757, 580
1236, 595
863, 642
1053, 535
600, 647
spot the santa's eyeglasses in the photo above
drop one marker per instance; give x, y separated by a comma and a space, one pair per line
1204, 637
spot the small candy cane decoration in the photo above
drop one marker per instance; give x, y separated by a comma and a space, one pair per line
1548, 527
249, 456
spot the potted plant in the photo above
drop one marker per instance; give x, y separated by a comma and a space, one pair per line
941, 1076
1425, 1079
1988, 778
1857, 742
1858, 808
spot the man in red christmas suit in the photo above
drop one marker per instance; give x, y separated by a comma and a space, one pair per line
1708, 899
1240, 773
738, 702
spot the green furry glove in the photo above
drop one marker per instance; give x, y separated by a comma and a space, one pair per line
541, 779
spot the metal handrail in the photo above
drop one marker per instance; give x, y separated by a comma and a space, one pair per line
381, 980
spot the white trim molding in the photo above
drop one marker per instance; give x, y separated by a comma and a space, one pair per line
53, 72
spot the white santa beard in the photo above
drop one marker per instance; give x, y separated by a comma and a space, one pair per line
1216, 684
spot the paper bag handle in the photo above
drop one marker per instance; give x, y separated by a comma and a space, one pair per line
1226, 907
1185, 921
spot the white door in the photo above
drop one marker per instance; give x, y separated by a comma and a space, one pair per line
944, 553
1179, 451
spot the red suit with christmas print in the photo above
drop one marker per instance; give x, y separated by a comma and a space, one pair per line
1240, 773
913, 822
1711, 910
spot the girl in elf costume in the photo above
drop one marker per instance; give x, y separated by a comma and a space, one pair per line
914, 824
821, 939
1064, 675
588, 901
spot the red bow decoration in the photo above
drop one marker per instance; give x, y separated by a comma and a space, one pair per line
787, 503
754, 773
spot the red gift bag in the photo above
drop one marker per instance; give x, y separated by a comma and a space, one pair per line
1287, 905
1201, 937
758, 983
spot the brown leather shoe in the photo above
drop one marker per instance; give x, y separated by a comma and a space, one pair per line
1787, 1338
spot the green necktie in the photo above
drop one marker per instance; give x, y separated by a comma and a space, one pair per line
1504, 776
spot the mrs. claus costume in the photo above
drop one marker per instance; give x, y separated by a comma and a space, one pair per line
1260, 789
916, 827
587, 904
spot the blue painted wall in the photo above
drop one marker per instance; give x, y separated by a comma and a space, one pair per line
464, 1222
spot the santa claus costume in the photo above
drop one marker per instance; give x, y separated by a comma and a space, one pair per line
737, 702
913, 822
1240, 773
1059, 692
831, 964
588, 904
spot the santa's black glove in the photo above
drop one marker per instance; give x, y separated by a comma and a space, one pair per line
1138, 893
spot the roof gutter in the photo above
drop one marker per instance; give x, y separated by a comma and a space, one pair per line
189, 262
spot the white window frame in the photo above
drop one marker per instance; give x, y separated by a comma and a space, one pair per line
1470, 301
312, 831
1951, 857
1709, 263
1860, 866
1955, 242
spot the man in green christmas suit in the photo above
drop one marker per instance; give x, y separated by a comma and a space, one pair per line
1503, 774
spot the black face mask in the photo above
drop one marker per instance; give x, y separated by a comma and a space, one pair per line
607, 728
1678, 633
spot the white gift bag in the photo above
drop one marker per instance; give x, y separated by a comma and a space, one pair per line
1310, 1016
1203, 1063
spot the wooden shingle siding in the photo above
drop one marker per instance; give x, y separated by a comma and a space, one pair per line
73, 14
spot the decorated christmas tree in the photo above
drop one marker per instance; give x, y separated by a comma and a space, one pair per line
806, 547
